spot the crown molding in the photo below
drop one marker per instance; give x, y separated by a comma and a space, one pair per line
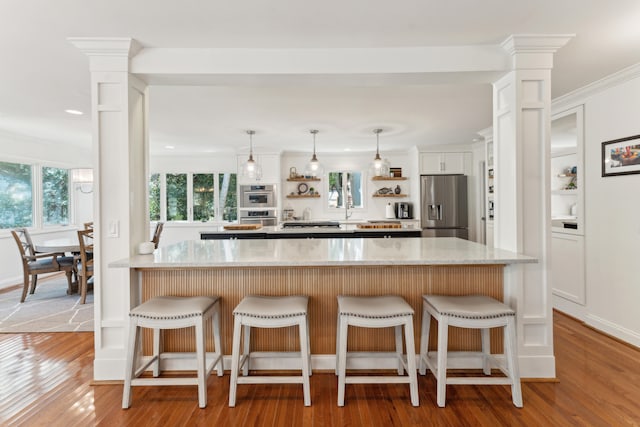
580, 95
486, 133
106, 46
535, 43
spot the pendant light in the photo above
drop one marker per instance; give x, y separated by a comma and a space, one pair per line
251, 169
314, 168
379, 167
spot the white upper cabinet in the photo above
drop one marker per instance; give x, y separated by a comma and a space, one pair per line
442, 163
270, 164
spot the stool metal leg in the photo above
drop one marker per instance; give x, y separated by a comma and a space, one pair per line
132, 353
411, 360
246, 350
201, 363
486, 351
342, 359
399, 352
235, 360
157, 350
424, 340
441, 371
216, 338
512, 362
304, 357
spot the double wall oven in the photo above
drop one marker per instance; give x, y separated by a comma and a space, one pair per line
258, 204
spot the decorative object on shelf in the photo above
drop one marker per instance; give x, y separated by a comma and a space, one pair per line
395, 172
293, 173
302, 188
397, 190
251, 169
379, 167
314, 168
385, 190
621, 156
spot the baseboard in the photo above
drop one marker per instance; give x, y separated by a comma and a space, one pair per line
571, 308
618, 332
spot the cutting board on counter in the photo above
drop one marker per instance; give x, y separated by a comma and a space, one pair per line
243, 227
380, 225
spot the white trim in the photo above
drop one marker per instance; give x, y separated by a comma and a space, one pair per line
613, 329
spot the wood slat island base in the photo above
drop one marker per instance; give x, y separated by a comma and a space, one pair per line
322, 285
323, 269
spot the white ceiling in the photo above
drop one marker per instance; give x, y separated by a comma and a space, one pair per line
42, 74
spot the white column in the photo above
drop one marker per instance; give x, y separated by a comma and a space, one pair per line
120, 151
521, 126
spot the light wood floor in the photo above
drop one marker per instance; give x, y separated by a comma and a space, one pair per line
45, 380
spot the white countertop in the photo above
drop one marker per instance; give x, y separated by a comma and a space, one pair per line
322, 252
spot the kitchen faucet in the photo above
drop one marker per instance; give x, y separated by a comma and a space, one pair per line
345, 200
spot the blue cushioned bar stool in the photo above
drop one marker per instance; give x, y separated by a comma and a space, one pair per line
269, 312
168, 312
477, 312
376, 312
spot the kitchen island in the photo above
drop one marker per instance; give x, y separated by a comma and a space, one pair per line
322, 269
316, 230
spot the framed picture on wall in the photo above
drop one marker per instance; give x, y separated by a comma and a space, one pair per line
621, 156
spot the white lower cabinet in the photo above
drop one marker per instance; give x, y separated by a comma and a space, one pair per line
567, 267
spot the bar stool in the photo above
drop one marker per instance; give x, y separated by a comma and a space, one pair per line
170, 312
477, 312
376, 312
269, 312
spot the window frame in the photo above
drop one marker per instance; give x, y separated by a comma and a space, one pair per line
218, 212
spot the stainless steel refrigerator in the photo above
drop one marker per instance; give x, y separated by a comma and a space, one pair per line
443, 206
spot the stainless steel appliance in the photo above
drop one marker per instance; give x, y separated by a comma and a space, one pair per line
262, 216
443, 200
258, 196
404, 210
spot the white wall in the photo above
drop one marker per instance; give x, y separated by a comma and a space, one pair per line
612, 209
374, 207
612, 217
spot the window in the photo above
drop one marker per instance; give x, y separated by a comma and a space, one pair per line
345, 184
227, 189
203, 197
177, 197
55, 196
193, 197
16, 195
154, 197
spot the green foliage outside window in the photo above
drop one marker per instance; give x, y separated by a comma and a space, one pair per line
203, 197
227, 187
55, 196
177, 197
154, 197
16, 195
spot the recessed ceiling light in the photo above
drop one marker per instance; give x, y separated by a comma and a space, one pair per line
347, 149
74, 112
169, 147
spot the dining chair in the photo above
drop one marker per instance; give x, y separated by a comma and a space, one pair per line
88, 225
34, 263
84, 265
156, 234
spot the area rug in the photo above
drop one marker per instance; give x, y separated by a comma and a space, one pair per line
49, 309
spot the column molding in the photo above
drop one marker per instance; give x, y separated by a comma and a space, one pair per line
521, 131
120, 162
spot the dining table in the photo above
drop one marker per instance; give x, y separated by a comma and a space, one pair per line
61, 245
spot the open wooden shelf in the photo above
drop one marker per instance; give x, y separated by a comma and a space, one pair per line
391, 195
302, 179
302, 196
389, 178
